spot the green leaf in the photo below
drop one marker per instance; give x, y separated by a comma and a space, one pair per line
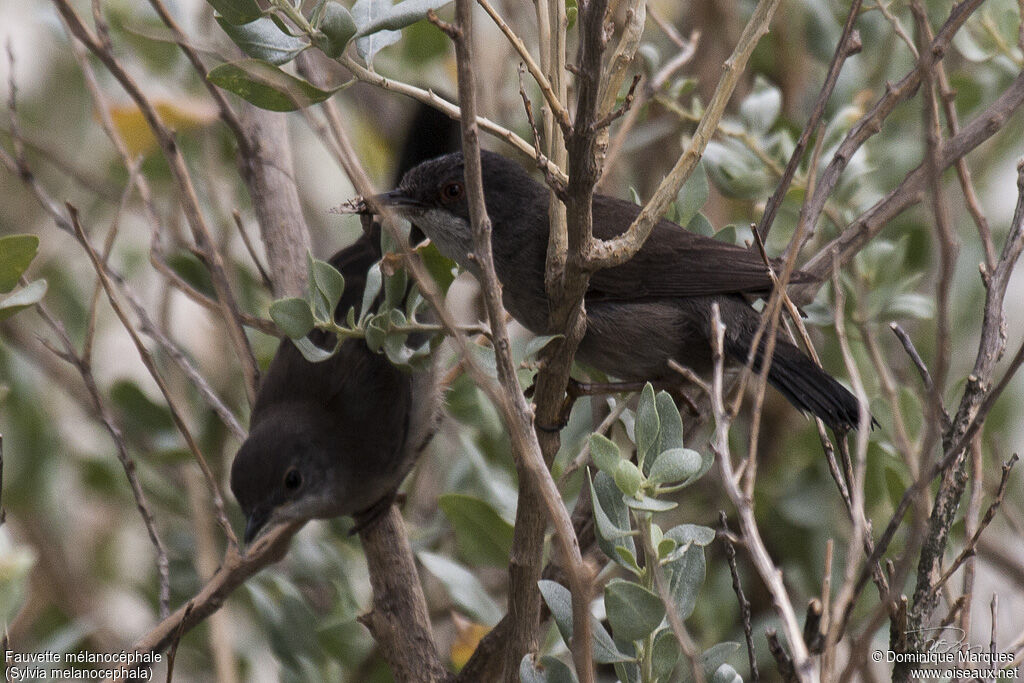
366, 13
262, 39
26, 297
292, 316
398, 17
633, 611
571, 12
605, 453
16, 253
338, 28
675, 464
647, 424
463, 587
481, 533
267, 86
441, 269
548, 670
692, 196
685, 579
664, 653
237, 11
628, 477
559, 600
326, 285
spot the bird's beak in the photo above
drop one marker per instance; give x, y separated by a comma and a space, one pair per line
396, 199
254, 523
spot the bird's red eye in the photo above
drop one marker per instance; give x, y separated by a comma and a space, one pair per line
451, 192
292, 479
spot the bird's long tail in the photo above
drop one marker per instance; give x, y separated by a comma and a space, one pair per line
803, 383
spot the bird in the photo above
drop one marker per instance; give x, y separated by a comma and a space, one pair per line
651, 309
338, 437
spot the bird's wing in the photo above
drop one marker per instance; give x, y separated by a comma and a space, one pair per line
681, 264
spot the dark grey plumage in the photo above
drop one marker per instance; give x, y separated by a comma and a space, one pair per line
640, 314
331, 438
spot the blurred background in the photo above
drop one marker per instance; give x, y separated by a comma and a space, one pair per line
77, 568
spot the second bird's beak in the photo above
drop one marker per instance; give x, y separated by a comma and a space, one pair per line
254, 523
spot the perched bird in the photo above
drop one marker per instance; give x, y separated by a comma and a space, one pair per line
338, 437
640, 314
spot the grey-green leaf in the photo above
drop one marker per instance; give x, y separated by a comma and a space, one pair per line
267, 86
685, 579
237, 11
607, 528
262, 39
328, 283
608, 503
726, 674
648, 504
292, 316
665, 653
605, 453
671, 433
647, 424
16, 253
628, 477
338, 28
633, 611
675, 464
312, 352
548, 670
374, 281
366, 13
401, 15
691, 533
463, 587
26, 297
559, 600
692, 196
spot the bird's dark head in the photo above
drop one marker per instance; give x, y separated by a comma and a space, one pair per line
288, 470
433, 197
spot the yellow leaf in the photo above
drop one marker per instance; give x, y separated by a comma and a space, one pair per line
179, 116
467, 637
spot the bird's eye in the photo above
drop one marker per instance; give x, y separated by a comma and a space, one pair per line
292, 479
451, 192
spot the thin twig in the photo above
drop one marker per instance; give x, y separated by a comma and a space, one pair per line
737, 587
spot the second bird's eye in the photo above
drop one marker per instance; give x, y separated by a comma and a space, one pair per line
451, 192
292, 479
